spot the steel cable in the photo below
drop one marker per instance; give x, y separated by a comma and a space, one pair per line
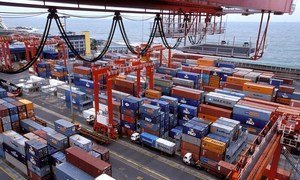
39, 51
94, 17
69, 44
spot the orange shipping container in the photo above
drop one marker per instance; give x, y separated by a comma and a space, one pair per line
213, 145
206, 62
28, 104
207, 117
237, 80
153, 94
258, 88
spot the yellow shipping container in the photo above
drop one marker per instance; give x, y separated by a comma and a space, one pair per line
237, 80
213, 145
28, 104
206, 62
153, 94
258, 88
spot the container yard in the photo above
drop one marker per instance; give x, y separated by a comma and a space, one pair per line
146, 111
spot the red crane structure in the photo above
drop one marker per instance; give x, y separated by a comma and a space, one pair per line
110, 73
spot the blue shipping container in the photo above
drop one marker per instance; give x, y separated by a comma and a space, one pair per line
64, 127
188, 110
68, 171
36, 148
253, 122
30, 126
148, 139
131, 102
252, 112
162, 104
150, 110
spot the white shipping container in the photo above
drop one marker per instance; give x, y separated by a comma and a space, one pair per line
165, 146
220, 99
222, 130
15, 140
22, 167
81, 142
104, 177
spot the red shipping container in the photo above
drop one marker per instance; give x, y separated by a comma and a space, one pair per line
186, 92
190, 147
257, 105
286, 89
295, 103
86, 162
214, 111
271, 103
211, 155
209, 88
33, 176
187, 68
124, 83
128, 119
82, 70
225, 168
3, 111
41, 134
207, 117
101, 150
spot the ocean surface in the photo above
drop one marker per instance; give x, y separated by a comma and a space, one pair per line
283, 42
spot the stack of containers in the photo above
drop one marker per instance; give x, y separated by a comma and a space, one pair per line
165, 108
284, 94
57, 140
204, 72
59, 73
186, 113
214, 78
21, 109
37, 159
5, 119
212, 151
173, 105
13, 115
14, 150
195, 77
258, 91
187, 96
81, 72
253, 119
163, 85
129, 114
79, 99
29, 107
152, 120
44, 70
193, 131
265, 78
56, 159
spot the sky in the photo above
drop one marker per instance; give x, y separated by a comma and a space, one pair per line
295, 17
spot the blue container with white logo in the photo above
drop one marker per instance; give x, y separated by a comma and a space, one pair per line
129, 112
250, 112
57, 158
162, 104
284, 95
188, 75
150, 110
86, 83
187, 109
148, 139
173, 102
154, 120
151, 126
128, 125
169, 71
185, 117
176, 133
195, 130
250, 121
276, 82
188, 101
132, 103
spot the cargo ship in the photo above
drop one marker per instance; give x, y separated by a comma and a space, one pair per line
142, 116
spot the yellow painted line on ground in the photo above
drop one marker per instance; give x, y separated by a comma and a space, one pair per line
140, 167
8, 173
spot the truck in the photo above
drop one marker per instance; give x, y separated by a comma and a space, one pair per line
155, 142
89, 115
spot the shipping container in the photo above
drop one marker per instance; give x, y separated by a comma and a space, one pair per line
104, 177
257, 88
64, 127
214, 111
221, 99
57, 158
188, 110
165, 146
57, 140
15, 140
104, 152
17, 164
81, 142
222, 130
191, 139
87, 162
213, 145
36, 148
29, 125
153, 94
150, 110
68, 171
132, 103
148, 139
211, 155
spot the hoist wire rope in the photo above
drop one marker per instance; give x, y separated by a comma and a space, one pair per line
132, 19
69, 44
80, 16
39, 51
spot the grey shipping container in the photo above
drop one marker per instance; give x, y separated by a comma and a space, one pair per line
222, 130
7, 127
57, 140
191, 139
68, 171
5, 120
15, 140
22, 167
165, 146
36, 148
81, 142
30, 126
